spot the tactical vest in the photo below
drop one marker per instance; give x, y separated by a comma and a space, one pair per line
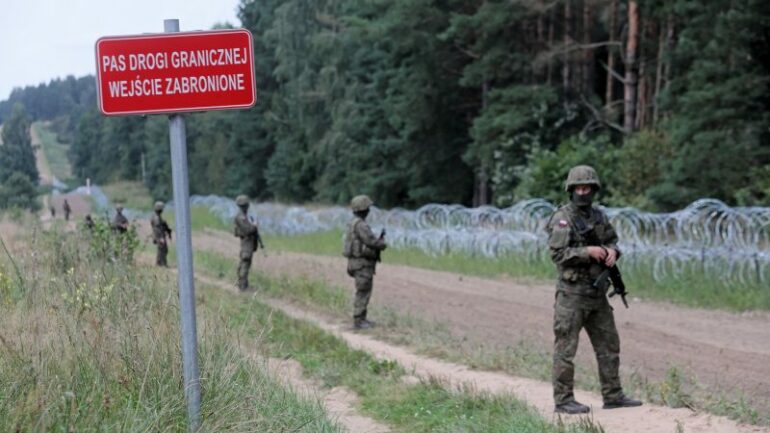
589, 231
352, 247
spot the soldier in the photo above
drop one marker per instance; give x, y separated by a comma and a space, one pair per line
250, 240
582, 243
89, 222
160, 231
120, 222
53, 211
362, 248
67, 210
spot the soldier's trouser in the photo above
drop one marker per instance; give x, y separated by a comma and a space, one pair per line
571, 314
160, 259
363, 278
243, 271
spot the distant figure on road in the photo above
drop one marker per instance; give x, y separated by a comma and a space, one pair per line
362, 248
583, 243
250, 240
160, 231
53, 211
120, 222
67, 210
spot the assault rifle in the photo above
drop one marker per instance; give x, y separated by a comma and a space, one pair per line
608, 275
618, 287
166, 229
382, 236
257, 236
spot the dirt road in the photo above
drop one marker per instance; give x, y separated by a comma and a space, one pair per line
725, 351
648, 418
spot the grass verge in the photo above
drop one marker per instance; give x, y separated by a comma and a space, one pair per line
133, 195
88, 344
692, 289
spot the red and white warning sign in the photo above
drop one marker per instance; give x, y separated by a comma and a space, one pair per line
174, 72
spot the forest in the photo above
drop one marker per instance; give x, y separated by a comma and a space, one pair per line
459, 101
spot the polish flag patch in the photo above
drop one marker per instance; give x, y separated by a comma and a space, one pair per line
563, 223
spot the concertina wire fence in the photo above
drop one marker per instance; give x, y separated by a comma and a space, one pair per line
707, 238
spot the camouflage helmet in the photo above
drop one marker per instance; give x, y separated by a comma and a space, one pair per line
360, 203
242, 200
119, 207
158, 206
582, 175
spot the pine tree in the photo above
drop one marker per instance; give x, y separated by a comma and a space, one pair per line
16, 153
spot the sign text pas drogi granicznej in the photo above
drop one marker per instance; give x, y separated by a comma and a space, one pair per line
167, 73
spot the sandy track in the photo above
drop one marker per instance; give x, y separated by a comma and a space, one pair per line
726, 351
40, 160
648, 418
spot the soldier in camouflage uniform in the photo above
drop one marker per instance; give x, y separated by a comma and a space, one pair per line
249, 234
120, 222
120, 227
67, 210
362, 248
89, 222
582, 243
160, 231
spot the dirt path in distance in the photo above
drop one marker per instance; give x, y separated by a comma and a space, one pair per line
46, 177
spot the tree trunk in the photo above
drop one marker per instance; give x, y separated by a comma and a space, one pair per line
641, 92
630, 90
658, 74
642, 98
481, 182
540, 46
565, 69
588, 54
551, 31
611, 54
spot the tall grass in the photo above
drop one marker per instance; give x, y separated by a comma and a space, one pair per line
92, 344
694, 289
200, 219
133, 195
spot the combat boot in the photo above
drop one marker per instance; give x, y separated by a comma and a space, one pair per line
362, 324
572, 407
621, 402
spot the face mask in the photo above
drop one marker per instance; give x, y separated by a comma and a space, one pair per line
583, 200
363, 213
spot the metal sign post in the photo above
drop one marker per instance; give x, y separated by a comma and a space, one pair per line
178, 142
168, 73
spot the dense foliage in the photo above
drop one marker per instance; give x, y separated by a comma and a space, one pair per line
469, 101
18, 172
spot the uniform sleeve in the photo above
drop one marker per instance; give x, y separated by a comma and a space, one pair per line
610, 236
559, 234
245, 227
364, 233
155, 226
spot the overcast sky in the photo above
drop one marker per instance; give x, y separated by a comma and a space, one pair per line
45, 39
